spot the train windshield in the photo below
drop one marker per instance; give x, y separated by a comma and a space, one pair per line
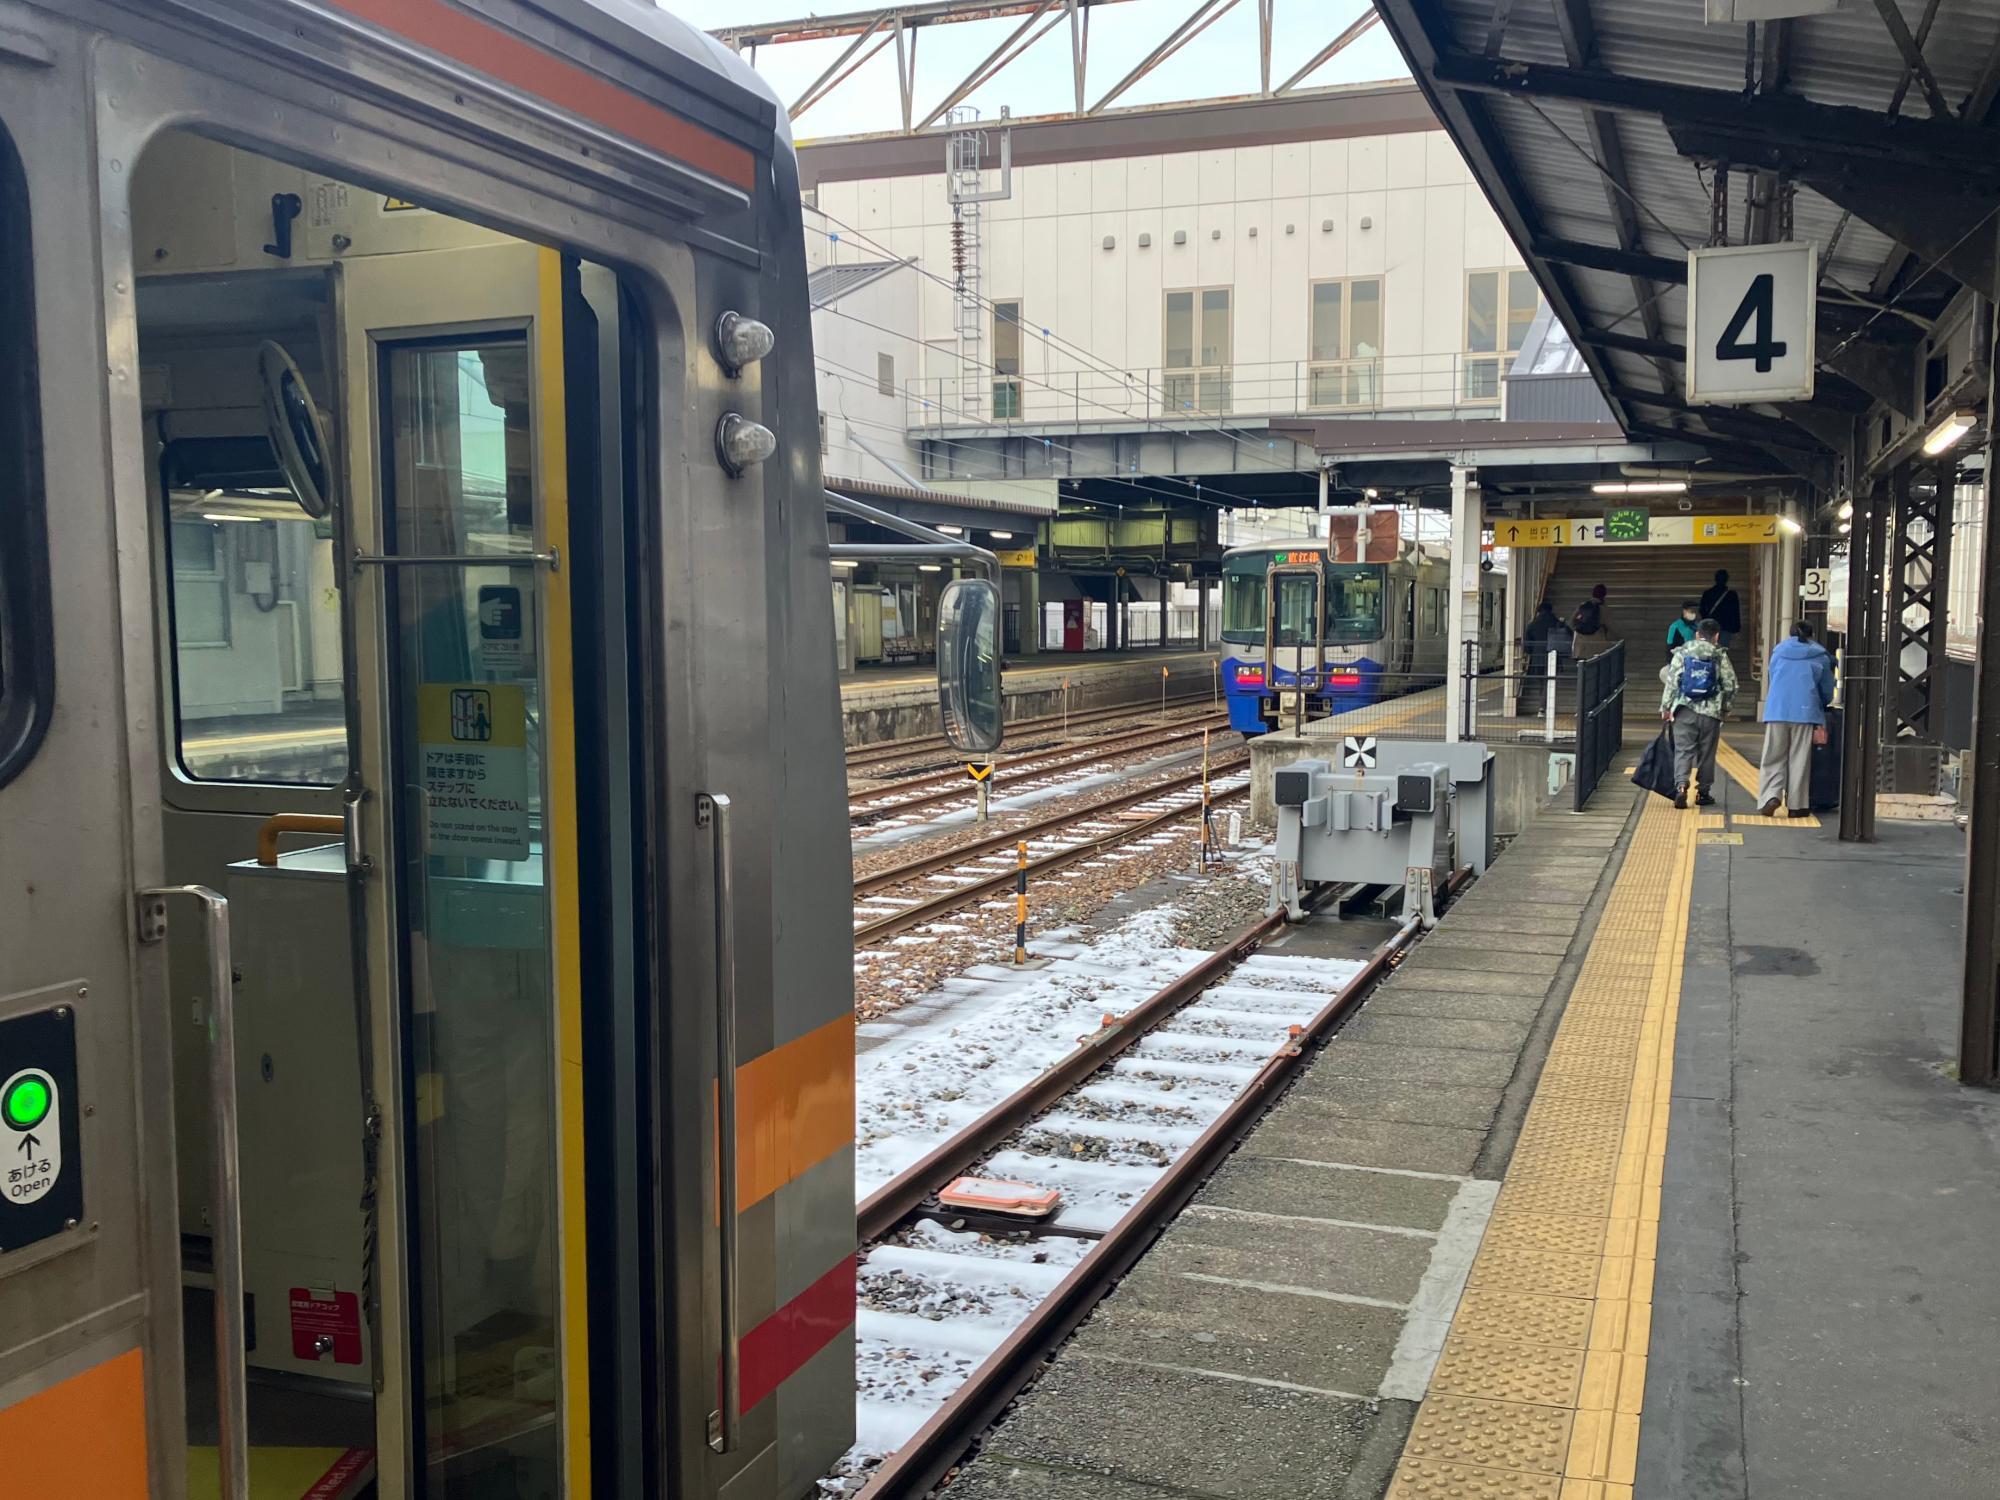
1354, 602
1243, 604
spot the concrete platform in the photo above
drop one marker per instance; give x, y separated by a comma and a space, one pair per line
901, 702
1276, 1340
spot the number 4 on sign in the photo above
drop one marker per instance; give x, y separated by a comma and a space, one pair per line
1756, 304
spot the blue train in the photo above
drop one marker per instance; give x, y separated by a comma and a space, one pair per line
1344, 634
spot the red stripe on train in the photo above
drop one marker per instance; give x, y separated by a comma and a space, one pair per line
778, 1348
510, 59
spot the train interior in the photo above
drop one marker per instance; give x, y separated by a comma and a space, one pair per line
425, 346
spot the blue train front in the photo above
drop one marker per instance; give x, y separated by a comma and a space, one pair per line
1341, 635
1325, 624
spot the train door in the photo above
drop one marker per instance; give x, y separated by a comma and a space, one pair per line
391, 814
1294, 635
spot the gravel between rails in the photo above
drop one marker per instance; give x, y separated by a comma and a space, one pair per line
898, 971
938, 757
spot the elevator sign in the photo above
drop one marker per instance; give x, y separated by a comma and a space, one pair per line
473, 737
41, 1152
1751, 323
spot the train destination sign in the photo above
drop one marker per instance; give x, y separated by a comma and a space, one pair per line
41, 1151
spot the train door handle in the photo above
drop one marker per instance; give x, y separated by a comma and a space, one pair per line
712, 811
226, 1217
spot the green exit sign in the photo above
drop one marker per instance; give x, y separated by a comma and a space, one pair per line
1626, 524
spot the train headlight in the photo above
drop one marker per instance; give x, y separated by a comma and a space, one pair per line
741, 341
740, 442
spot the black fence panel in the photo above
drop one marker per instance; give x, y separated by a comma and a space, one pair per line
1600, 717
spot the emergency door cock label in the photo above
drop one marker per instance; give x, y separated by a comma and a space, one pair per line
473, 737
41, 1165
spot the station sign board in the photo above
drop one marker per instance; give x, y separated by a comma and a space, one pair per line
1658, 531
1751, 323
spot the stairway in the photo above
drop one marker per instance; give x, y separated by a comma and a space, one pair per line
1647, 585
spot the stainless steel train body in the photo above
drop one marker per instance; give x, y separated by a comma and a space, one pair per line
1344, 634
540, 1180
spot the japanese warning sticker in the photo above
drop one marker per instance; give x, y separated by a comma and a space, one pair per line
473, 737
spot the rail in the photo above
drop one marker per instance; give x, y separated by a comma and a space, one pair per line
921, 1462
1460, 385
1600, 718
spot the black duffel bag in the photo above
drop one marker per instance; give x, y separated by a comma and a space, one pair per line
1655, 771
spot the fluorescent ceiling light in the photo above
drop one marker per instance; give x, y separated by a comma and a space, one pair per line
1847, 511
1948, 433
1001, 536
929, 568
219, 516
952, 530
1845, 527
1370, 494
1790, 527
843, 562
1641, 487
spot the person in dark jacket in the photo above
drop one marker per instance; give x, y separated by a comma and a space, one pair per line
1591, 625
1798, 688
1721, 605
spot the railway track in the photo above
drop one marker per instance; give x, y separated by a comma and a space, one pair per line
870, 755
1126, 1126
1053, 842
939, 788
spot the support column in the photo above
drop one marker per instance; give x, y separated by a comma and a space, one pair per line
1030, 603
1979, 1023
1516, 617
1467, 521
1865, 662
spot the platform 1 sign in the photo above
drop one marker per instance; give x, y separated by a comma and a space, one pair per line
1751, 323
41, 1147
1619, 530
473, 737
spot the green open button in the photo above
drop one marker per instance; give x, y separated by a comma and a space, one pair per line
26, 1102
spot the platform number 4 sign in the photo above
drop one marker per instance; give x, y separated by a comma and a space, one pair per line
1751, 323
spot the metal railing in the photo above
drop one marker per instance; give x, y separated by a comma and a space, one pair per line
1461, 384
1600, 718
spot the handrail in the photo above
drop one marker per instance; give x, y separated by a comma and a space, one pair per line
232, 1387
713, 809
278, 824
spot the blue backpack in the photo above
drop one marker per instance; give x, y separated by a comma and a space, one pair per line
1701, 676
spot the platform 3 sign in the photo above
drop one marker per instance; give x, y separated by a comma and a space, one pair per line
1660, 531
41, 1146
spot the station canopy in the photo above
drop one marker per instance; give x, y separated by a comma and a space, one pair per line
1615, 136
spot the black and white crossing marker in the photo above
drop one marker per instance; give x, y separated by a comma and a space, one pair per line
1358, 751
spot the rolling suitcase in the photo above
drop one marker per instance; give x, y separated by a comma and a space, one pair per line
1826, 766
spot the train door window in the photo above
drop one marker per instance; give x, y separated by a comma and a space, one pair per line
459, 483
27, 637
1295, 609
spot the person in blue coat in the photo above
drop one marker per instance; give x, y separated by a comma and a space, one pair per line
1799, 686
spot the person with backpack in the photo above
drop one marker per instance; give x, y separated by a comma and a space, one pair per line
1698, 683
1591, 625
1796, 695
1682, 630
1721, 605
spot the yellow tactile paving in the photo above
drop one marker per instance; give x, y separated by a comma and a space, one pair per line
1539, 1392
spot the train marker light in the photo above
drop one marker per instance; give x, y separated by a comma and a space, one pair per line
741, 341
27, 1102
741, 443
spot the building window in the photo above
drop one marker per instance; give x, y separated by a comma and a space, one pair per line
885, 374
1346, 342
1198, 341
27, 633
1006, 361
1499, 306
201, 585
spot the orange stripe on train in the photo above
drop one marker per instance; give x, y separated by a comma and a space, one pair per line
84, 1436
512, 60
794, 1109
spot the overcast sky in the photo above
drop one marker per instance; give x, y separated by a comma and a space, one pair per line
1222, 60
